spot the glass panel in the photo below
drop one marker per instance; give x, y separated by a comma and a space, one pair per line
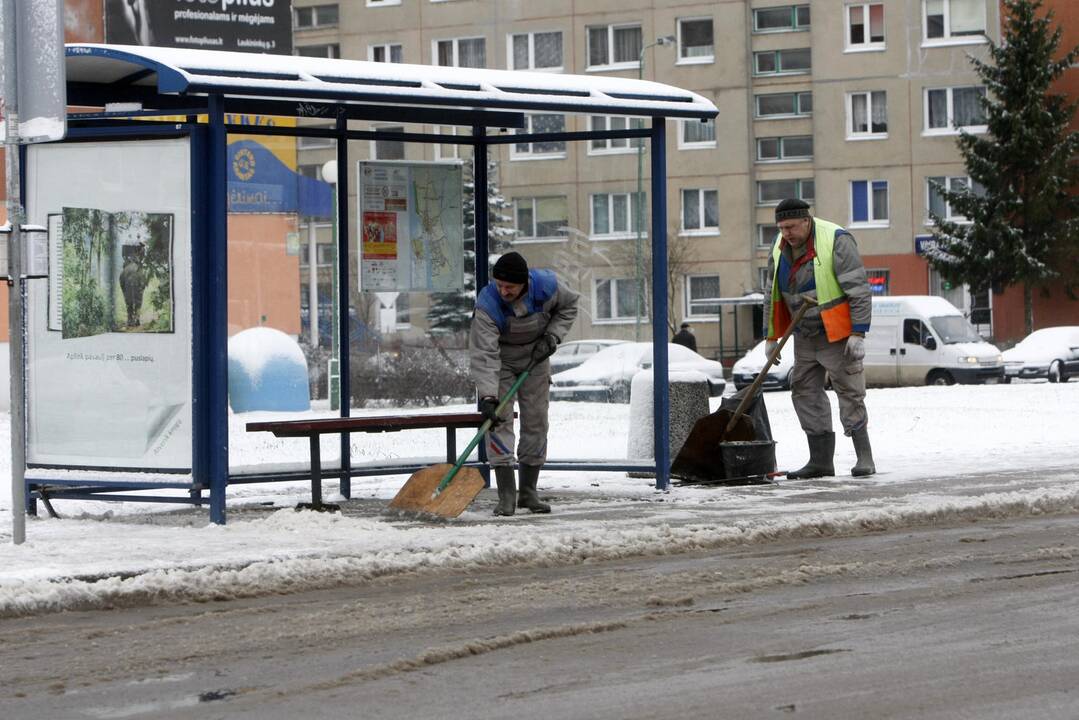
934, 19
765, 62
697, 39
880, 200
768, 148
779, 104
802, 19
548, 49
396, 54
549, 124
859, 113
711, 208
552, 216
805, 103
627, 297
699, 132
779, 18
445, 52
808, 188
691, 209
597, 46
936, 200
876, 23
798, 147
603, 299
627, 44
967, 17
620, 211
794, 60
525, 217
857, 25
880, 112
601, 224
520, 52
472, 53
938, 108
967, 106
776, 190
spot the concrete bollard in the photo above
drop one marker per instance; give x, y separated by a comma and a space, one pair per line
688, 392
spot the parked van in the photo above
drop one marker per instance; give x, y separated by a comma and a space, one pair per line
925, 340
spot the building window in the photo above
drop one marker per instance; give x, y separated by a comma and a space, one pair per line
794, 147
386, 53
869, 203
541, 218
766, 234
947, 110
605, 146
314, 143
700, 211
449, 151
331, 50
388, 149
865, 26
878, 280
316, 16
461, 52
867, 115
543, 150
381, 3
615, 214
771, 192
954, 20
763, 280
780, 105
702, 296
695, 41
402, 311
784, 18
697, 134
779, 62
937, 205
535, 51
616, 299
614, 45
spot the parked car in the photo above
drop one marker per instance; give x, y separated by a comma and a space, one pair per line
1051, 353
573, 353
606, 376
745, 371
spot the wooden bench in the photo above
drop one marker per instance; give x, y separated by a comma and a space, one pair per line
312, 429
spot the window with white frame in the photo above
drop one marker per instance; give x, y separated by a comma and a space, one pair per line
545, 149
316, 16
461, 52
865, 26
617, 299
782, 62
771, 192
614, 45
784, 105
696, 43
329, 50
949, 109
541, 218
783, 18
700, 211
616, 214
314, 143
793, 147
450, 151
381, 3
869, 203
702, 296
766, 234
535, 51
867, 114
697, 134
612, 146
936, 204
953, 20
388, 52
388, 149
762, 278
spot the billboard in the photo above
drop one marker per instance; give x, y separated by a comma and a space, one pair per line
262, 26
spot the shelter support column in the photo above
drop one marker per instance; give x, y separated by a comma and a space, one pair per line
215, 349
661, 399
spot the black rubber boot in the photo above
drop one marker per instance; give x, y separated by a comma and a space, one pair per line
864, 465
821, 451
507, 491
528, 497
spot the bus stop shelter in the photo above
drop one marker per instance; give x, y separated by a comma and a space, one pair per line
150, 413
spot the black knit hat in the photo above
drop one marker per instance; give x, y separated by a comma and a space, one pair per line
792, 208
511, 268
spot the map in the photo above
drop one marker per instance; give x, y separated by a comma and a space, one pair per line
437, 241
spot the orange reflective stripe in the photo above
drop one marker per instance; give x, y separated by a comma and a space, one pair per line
837, 324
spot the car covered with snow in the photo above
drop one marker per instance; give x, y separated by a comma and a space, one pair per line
606, 376
1051, 353
745, 371
573, 353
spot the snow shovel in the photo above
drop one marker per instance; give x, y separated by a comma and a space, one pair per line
700, 457
445, 489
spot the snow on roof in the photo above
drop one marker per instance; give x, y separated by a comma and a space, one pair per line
181, 70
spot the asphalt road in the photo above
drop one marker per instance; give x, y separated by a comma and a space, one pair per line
978, 620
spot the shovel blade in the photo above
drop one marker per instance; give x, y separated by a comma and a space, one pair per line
418, 494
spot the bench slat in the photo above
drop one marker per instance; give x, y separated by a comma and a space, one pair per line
377, 423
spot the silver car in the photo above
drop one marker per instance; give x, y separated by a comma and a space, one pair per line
573, 353
1051, 353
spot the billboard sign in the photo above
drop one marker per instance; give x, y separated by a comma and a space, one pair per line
261, 26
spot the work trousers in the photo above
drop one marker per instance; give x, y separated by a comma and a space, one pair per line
533, 400
813, 358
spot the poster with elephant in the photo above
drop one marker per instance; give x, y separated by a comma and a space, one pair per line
114, 272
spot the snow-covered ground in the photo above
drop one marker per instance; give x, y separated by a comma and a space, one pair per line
944, 453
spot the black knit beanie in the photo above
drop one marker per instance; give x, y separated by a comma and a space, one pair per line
511, 268
792, 208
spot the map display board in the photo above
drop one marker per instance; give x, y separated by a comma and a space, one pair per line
411, 226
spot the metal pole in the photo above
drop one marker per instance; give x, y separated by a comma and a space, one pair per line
660, 398
312, 283
638, 250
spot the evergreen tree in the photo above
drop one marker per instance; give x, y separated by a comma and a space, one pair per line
1023, 218
452, 312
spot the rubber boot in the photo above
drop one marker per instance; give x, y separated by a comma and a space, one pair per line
821, 450
864, 465
507, 491
528, 497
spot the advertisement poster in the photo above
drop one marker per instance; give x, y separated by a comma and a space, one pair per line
412, 227
263, 26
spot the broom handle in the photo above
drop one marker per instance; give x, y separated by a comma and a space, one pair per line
483, 429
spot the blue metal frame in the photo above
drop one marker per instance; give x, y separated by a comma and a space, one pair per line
659, 304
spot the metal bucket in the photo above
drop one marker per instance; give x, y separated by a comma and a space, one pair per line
748, 458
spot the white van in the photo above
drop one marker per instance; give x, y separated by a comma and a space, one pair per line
925, 340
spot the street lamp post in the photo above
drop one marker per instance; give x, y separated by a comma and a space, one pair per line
638, 198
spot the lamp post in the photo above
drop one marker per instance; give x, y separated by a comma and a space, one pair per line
638, 200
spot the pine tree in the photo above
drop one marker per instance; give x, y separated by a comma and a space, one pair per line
1022, 211
452, 312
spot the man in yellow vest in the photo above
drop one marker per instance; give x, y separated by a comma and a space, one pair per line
814, 258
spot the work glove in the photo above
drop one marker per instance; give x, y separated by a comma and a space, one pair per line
544, 348
488, 406
855, 349
769, 348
